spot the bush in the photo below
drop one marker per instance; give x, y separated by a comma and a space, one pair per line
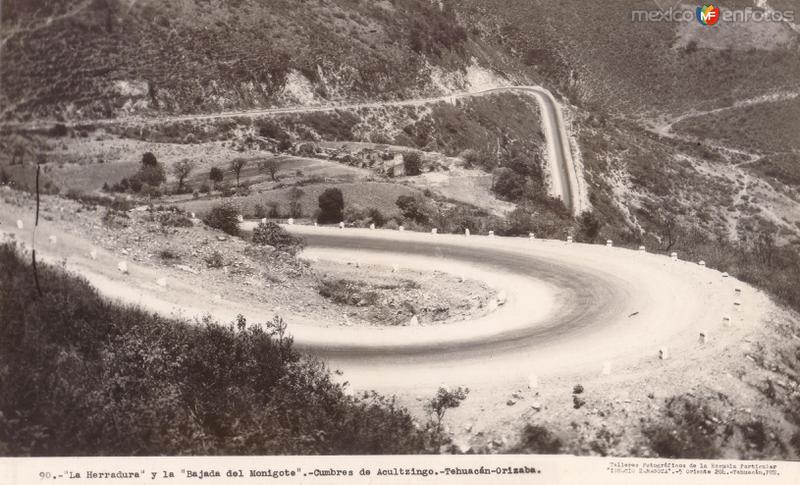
271, 234
331, 205
685, 431
216, 175
347, 292
376, 217
149, 160
412, 163
413, 208
354, 213
224, 217
538, 440
508, 184
215, 260
116, 380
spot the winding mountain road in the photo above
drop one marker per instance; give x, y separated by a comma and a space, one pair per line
563, 172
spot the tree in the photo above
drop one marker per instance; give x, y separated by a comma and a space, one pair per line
181, 170
216, 175
437, 407
237, 164
412, 163
331, 205
270, 166
149, 160
295, 207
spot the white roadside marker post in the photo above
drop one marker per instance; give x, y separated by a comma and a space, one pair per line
434, 231
372, 227
20, 225
569, 239
609, 243
642, 249
673, 256
466, 232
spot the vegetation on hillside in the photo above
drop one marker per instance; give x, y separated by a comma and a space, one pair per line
204, 55
80, 375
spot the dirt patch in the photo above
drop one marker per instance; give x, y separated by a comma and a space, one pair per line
380, 295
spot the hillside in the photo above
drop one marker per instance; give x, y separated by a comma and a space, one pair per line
605, 61
104, 58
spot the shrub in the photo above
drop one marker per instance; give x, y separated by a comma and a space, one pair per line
539, 440
508, 184
412, 163
269, 233
685, 430
171, 217
347, 292
168, 255
414, 208
224, 217
215, 260
149, 160
588, 227
204, 188
331, 205
153, 175
354, 213
376, 217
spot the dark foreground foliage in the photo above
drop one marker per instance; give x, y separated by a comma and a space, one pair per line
82, 376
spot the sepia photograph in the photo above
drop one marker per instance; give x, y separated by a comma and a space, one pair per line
410, 240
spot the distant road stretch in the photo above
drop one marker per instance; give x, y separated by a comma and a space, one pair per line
563, 172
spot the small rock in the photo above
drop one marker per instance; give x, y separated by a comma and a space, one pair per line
93, 254
536, 406
511, 402
162, 282
20, 225
222, 238
122, 266
414, 322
